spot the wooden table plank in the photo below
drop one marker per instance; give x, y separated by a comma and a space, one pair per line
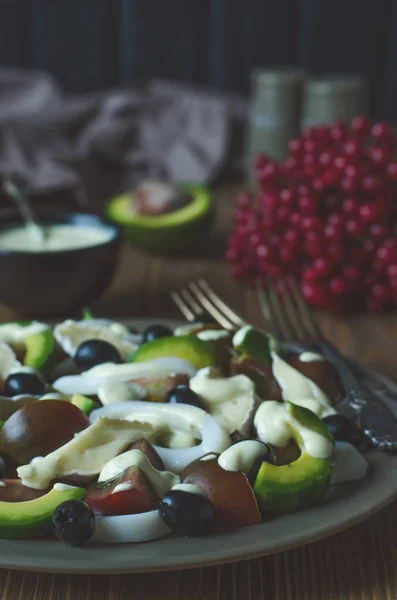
358, 564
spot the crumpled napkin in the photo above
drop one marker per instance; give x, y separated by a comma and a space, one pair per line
174, 131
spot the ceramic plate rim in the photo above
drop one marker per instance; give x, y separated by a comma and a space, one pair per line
348, 505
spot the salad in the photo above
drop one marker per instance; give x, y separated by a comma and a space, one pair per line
109, 435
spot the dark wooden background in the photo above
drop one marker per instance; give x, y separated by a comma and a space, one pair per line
94, 44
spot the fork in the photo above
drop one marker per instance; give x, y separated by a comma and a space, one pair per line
292, 323
298, 331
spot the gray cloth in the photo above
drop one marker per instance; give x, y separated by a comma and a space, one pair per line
158, 129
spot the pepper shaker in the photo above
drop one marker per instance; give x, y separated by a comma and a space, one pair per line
335, 97
275, 113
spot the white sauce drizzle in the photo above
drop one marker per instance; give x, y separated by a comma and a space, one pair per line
63, 487
299, 389
211, 335
14, 333
123, 487
161, 481
241, 456
110, 392
275, 426
23, 369
308, 357
3, 484
190, 488
208, 457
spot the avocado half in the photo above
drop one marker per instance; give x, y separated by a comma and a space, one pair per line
171, 231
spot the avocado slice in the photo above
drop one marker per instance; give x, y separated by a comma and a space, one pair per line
23, 520
171, 231
39, 348
84, 403
30, 339
188, 347
254, 343
302, 483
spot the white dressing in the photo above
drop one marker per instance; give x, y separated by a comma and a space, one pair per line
208, 456
57, 238
63, 487
314, 443
23, 369
15, 334
190, 488
123, 487
271, 425
276, 426
110, 392
241, 456
3, 484
178, 439
308, 357
230, 400
212, 335
161, 481
8, 360
299, 389
86, 453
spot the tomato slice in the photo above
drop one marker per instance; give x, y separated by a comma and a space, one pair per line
137, 497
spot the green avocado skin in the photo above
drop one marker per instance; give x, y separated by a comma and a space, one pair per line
279, 490
39, 348
188, 347
300, 484
84, 404
31, 519
167, 236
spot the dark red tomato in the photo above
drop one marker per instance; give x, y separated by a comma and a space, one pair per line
138, 499
148, 450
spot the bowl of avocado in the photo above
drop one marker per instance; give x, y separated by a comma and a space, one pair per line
162, 217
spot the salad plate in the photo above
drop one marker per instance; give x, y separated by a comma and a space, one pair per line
346, 505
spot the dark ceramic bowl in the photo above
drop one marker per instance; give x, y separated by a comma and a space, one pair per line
58, 283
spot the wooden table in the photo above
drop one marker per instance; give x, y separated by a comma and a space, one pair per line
359, 563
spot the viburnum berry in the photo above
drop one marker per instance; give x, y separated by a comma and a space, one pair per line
327, 215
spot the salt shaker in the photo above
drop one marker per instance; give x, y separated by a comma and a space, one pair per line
274, 115
334, 97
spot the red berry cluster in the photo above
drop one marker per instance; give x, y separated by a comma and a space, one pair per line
327, 215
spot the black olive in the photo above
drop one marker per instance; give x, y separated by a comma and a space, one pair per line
204, 318
187, 513
182, 394
344, 430
96, 352
267, 456
73, 522
154, 332
24, 382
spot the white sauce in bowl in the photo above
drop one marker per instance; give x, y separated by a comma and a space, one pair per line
57, 238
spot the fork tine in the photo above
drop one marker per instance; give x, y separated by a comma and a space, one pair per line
298, 330
191, 301
278, 310
228, 312
266, 309
209, 306
305, 313
183, 307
